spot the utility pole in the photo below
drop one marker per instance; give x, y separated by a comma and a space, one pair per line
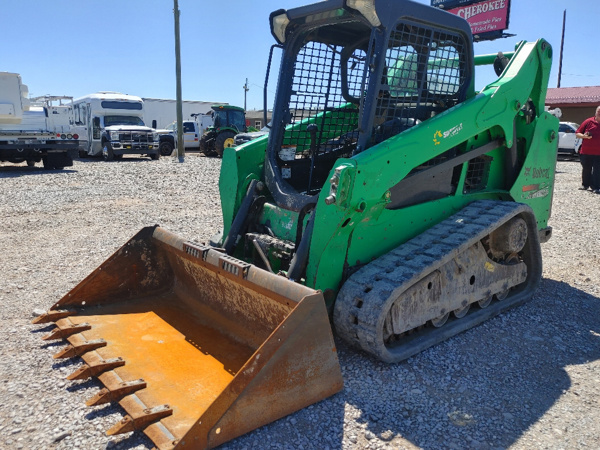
246, 89
180, 144
562, 44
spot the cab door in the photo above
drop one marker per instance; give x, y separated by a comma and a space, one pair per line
190, 136
90, 130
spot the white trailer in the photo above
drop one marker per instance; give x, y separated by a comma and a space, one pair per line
159, 113
33, 132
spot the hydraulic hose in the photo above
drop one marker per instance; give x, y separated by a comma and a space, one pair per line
240, 217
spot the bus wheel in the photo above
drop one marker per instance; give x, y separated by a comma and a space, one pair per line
107, 152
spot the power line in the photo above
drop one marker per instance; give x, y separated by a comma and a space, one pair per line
578, 75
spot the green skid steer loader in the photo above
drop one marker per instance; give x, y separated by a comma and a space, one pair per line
389, 199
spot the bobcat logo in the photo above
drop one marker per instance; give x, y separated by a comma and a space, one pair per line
446, 134
453, 131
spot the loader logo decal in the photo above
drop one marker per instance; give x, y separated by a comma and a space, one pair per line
453, 131
537, 172
541, 173
446, 134
532, 191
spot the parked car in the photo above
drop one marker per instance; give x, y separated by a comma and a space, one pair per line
242, 138
568, 144
191, 133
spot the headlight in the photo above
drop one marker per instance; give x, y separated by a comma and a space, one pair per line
367, 9
155, 137
114, 135
278, 25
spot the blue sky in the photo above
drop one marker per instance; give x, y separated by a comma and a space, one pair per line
67, 47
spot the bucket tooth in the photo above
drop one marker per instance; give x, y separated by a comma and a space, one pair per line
79, 348
63, 331
140, 419
116, 391
93, 369
53, 316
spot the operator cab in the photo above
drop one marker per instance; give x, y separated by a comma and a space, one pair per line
352, 77
229, 116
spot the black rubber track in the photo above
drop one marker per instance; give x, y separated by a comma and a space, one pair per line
367, 296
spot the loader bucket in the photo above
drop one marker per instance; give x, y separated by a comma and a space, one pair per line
196, 346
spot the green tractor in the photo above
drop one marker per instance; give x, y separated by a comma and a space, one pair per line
228, 121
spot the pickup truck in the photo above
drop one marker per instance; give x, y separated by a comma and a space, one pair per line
192, 132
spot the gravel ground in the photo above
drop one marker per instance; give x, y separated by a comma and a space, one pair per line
527, 379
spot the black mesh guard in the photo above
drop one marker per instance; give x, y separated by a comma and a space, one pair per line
424, 75
317, 95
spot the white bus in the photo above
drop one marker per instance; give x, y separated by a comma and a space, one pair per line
111, 124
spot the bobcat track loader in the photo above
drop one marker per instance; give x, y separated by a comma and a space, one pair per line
390, 198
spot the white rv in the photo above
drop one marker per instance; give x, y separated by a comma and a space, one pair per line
113, 126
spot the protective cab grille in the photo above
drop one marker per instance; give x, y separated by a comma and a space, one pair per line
325, 123
423, 76
425, 73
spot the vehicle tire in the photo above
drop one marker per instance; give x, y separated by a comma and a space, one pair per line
165, 148
83, 154
107, 151
203, 148
48, 163
224, 140
155, 156
56, 161
30, 163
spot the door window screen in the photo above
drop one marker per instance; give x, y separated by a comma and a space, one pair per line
308, 153
424, 74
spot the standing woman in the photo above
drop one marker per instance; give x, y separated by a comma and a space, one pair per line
589, 154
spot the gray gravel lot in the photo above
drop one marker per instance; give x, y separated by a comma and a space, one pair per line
527, 379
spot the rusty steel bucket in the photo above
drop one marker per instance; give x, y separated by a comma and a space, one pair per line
196, 346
